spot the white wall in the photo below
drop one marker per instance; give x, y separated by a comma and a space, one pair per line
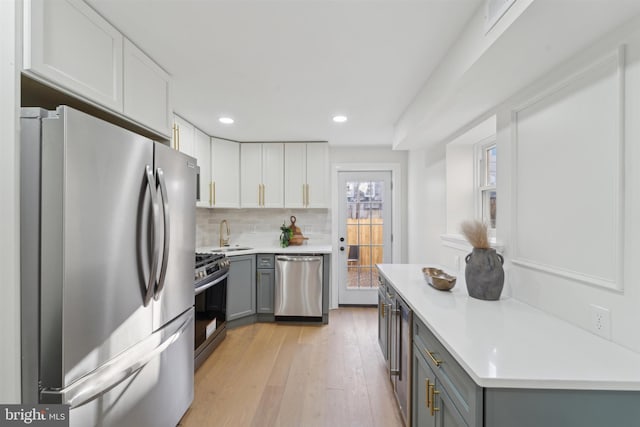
426, 205
568, 186
482, 70
9, 204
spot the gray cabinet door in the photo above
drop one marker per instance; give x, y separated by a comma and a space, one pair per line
265, 289
431, 405
423, 378
241, 287
446, 415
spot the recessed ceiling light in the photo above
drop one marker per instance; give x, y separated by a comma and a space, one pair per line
226, 120
339, 119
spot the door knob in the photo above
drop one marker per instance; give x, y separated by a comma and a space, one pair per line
342, 248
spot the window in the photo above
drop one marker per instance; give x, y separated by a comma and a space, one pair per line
486, 155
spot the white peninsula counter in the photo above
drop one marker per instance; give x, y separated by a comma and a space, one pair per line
523, 360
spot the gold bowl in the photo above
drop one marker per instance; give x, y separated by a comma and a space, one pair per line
438, 279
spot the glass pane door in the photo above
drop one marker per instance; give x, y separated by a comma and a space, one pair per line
365, 220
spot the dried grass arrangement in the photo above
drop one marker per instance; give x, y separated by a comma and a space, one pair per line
476, 234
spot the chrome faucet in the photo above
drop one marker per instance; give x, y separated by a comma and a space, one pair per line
224, 242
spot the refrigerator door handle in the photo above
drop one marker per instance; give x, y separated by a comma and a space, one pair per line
167, 224
121, 367
154, 238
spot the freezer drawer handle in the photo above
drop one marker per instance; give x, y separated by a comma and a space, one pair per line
121, 367
165, 249
155, 244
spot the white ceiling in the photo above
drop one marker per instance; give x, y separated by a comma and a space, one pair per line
283, 68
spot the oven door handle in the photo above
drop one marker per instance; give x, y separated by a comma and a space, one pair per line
207, 285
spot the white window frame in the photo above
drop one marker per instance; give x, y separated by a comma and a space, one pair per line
480, 178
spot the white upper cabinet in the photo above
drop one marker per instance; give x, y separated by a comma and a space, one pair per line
203, 154
295, 175
69, 44
262, 175
72, 48
306, 175
184, 135
317, 175
225, 173
146, 90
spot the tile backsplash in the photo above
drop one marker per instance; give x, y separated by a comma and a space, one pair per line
244, 221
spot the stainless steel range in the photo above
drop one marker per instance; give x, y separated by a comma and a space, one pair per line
210, 285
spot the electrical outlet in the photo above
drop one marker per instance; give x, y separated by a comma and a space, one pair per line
600, 321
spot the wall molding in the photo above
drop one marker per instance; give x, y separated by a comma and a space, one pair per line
612, 60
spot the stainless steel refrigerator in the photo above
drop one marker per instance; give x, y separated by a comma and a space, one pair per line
107, 264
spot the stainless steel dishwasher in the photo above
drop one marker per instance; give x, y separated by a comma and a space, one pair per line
298, 293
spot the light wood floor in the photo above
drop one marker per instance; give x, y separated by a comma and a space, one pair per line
270, 374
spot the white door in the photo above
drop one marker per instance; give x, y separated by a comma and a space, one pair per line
272, 175
250, 175
365, 233
74, 47
225, 173
295, 175
317, 174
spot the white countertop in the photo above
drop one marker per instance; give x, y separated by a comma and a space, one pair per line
507, 343
266, 243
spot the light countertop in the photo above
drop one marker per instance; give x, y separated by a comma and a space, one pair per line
266, 243
507, 343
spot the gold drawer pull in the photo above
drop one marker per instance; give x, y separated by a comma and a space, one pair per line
433, 400
432, 357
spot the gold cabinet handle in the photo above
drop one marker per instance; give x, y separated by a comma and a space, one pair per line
432, 357
259, 194
382, 309
304, 198
264, 190
307, 195
175, 138
178, 133
214, 193
433, 399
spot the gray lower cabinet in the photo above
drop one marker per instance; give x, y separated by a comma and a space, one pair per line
444, 395
431, 404
265, 283
241, 287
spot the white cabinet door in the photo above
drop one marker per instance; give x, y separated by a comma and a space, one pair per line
295, 175
250, 175
146, 90
69, 44
317, 175
272, 175
306, 175
262, 175
203, 155
225, 173
183, 136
